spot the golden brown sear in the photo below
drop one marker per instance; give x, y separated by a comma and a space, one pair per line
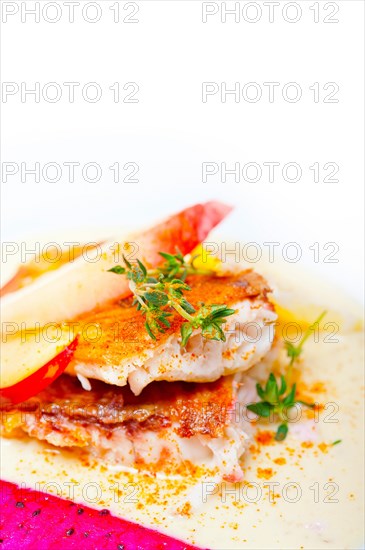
67, 409
110, 334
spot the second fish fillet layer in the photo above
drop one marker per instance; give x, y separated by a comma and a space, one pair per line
172, 428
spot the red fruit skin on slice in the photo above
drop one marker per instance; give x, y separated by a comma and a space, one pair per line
36, 521
38, 380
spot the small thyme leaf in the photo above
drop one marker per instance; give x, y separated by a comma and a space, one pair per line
283, 385
175, 265
142, 268
292, 351
118, 269
337, 442
260, 391
271, 390
148, 328
187, 306
281, 432
186, 331
128, 264
295, 351
290, 398
261, 409
156, 297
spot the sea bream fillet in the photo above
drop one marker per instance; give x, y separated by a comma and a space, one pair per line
170, 427
114, 346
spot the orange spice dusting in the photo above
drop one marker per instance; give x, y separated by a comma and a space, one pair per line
309, 392
185, 510
290, 450
264, 437
317, 387
229, 353
166, 464
280, 461
253, 449
307, 444
323, 447
312, 413
265, 473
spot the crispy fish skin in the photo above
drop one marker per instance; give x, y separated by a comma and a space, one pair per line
169, 423
157, 407
115, 347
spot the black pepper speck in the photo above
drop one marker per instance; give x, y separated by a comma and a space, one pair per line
36, 512
120, 546
86, 534
20, 505
80, 511
104, 512
70, 532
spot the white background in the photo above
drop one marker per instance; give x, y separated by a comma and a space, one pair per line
170, 132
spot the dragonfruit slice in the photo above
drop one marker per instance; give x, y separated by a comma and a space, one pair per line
34, 520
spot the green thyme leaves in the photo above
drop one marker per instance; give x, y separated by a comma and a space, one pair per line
278, 397
159, 292
295, 351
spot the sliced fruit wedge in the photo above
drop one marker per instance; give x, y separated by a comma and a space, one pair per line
81, 286
30, 362
37, 519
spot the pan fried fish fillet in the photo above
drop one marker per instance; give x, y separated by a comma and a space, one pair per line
170, 427
114, 346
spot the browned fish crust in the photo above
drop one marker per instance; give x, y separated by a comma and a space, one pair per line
110, 334
65, 407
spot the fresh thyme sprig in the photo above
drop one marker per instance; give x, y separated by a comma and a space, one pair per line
176, 266
157, 292
277, 400
295, 351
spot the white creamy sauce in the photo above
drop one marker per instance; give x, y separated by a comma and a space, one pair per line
301, 493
